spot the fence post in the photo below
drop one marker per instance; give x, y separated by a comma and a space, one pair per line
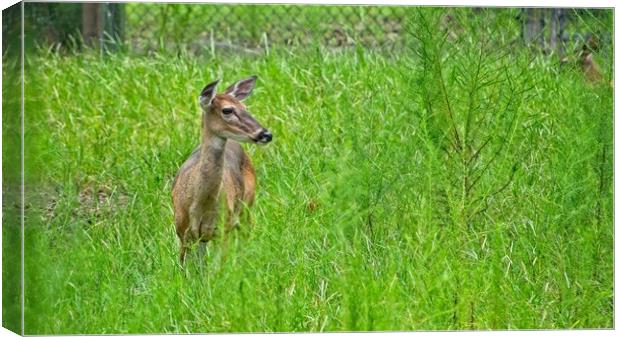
533, 25
113, 24
92, 23
102, 24
558, 24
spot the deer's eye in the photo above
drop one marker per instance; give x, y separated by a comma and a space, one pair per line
228, 111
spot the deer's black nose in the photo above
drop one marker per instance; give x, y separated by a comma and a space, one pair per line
265, 136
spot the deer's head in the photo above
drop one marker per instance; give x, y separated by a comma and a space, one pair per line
226, 117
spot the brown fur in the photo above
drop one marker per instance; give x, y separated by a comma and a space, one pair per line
590, 68
584, 59
218, 165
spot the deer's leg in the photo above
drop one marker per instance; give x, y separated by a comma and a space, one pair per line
181, 224
182, 252
202, 249
233, 209
190, 240
243, 213
184, 242
202, 223
195, 219
194, 231
247, 215
232, 194
208, 226
249, 191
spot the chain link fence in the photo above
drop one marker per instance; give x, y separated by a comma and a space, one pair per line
200, 28
152, 26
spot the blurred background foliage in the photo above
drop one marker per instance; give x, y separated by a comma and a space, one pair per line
143, 28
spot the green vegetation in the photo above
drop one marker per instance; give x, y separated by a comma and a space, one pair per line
465, 184
162, 26
11, 172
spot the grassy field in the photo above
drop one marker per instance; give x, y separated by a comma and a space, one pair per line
400, 193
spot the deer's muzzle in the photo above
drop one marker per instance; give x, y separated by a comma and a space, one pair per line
264, 137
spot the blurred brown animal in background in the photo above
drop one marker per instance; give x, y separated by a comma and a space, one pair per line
588, 65
217, 164
584, 59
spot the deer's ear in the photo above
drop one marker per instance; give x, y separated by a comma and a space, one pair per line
207, 94
242, 89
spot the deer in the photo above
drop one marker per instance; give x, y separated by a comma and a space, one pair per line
585, 60
588, 65
218, 169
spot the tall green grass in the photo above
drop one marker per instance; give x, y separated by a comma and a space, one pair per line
367, 214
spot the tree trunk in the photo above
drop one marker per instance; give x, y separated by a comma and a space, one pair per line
533, 26
92, 23
557, 26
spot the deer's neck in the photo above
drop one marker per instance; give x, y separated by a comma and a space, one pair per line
212, 158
